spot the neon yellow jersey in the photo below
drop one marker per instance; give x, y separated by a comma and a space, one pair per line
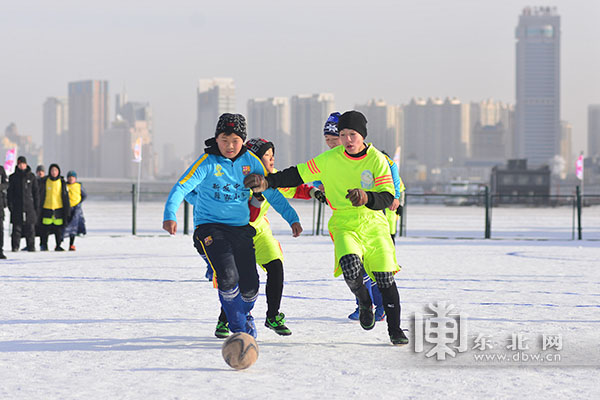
340, 172
53, 200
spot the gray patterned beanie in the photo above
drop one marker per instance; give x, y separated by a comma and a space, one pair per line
232, 123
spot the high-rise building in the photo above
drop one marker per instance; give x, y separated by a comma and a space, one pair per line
88, 118
493, 122
436, 132
308, 116
593, 130
55, 131
538, 85
384, 126
270, 120
214, 97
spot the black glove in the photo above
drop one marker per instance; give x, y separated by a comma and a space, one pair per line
319, 196
256, 182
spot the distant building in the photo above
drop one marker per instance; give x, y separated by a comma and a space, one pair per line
566, 148
55, 131
488, 143
270, 119
385, 125
436, 132
490, 114
594, 130
537, 109
138, 115
308, 116
515, 183
214, 97
88, 118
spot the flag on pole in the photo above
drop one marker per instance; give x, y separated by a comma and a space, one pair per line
579, 167
137, 150
10, 160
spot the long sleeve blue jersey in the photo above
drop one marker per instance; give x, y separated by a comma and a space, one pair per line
220, 193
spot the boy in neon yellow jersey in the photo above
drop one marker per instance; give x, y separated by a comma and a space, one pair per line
359, 184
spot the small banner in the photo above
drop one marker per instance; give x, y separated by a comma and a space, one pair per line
579, 167
10, 162
137, 150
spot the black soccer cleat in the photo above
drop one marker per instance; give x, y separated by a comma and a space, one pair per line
366, 317
399, 338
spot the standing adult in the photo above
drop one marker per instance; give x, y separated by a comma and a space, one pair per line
55, 207
23, 204
3, 187
40, 173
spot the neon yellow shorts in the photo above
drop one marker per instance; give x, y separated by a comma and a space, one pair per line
266, 247
363, 232
392, 219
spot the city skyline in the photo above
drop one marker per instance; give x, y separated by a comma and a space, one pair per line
392, 51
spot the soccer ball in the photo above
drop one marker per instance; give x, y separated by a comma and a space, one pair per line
240, 350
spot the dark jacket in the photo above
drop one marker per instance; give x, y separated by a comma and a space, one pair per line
23, 196
63, 212
3, 188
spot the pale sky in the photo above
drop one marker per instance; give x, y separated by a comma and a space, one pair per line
358, 50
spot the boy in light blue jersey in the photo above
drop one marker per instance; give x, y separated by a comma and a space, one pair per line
221, 217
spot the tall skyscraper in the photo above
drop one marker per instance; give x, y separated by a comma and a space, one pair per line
538, 85
593, 130
215, 97
55, 131
270, 119
308, 116
384, 126
88, 118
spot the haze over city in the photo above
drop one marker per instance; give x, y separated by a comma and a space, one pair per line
390, 50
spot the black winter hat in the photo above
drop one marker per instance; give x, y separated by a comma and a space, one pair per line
353, 120
232, 123
40, 168
259, 146
21, 159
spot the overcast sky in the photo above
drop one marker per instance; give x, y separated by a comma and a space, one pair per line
392, 50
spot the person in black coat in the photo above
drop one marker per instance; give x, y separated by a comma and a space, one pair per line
3, 187
55, 207
23, 204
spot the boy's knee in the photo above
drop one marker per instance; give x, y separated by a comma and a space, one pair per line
384, 279
353, 270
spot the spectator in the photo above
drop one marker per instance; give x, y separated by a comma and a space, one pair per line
23, 202
3, 187
55, 207
76, 196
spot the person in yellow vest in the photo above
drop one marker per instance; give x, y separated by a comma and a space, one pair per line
76, 196
55, 207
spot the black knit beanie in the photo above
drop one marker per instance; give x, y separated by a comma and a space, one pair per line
232, 123
353, 120
259, 146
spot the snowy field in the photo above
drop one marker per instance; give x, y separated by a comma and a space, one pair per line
128, 317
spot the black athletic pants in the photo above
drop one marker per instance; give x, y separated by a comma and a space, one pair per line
23, 229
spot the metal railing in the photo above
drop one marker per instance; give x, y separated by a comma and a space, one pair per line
485, 200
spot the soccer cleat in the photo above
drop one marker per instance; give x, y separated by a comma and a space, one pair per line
72, 247
278, 325
366, 317
379, 313
222, 330
58, 248
354, 315
399, 338
250, 326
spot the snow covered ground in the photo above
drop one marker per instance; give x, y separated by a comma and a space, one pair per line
133, 317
